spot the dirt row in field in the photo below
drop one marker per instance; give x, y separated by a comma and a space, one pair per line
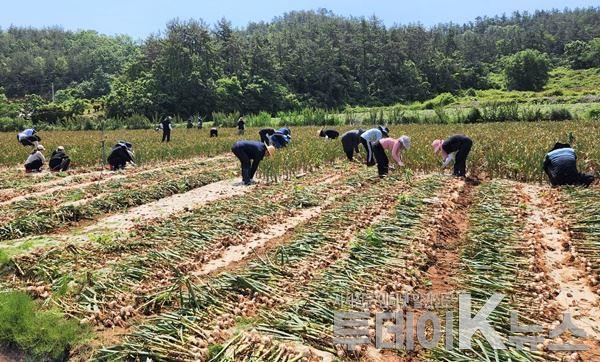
562, 279
84, 179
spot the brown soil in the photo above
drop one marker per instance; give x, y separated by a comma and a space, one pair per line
561, 277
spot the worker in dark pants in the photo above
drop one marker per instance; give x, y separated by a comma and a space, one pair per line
36, 160
350, 142
265, 133
330, 134
120, 154
368, 138
250, 153
29, 137
241, 124
59, 161
560, 165
200, 122
395, 146
455, 148
166, 128
214, 132
190, 122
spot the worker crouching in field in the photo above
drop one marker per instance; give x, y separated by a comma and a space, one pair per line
330, 134
214, 132
36, 160
59, 161
281, 138
250, 153
368, 138
120, 154
395, 146
560, 165
29, 137
265, 133
455, 148
350, 142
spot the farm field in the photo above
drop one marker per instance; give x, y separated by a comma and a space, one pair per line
175, 260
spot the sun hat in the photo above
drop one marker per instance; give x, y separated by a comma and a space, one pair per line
40, 148
60, 148
437, 145
405, 140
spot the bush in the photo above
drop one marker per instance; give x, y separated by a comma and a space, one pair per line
441, 100
526, 70
531, 114
500, 112
258, 120
221, 119
13, 124
473, 116
42, 334
560, 114
594, 114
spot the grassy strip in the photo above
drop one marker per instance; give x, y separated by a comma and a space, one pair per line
264, 279
585, 215
494, 263
40, 333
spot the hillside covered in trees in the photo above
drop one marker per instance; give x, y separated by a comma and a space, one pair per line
301, 59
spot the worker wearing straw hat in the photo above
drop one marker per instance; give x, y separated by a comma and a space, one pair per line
36, 160
455, 148
560, 164
395, 146
250, 153
368, 138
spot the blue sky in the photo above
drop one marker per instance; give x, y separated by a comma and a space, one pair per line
139, 18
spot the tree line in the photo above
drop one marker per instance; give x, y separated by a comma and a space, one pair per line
301, 59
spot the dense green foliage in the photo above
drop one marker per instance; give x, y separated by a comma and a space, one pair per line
527, 70
303, 59
43, 334
78, 63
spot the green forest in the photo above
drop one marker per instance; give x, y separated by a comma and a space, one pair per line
300, 60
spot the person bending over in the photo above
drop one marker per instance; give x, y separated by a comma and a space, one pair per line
455, 148
368, 138
350, 141
395, 146
29, 137
330, 133
250, 153
265, 133
560, 164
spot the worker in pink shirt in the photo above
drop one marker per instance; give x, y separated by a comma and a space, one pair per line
395, 146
